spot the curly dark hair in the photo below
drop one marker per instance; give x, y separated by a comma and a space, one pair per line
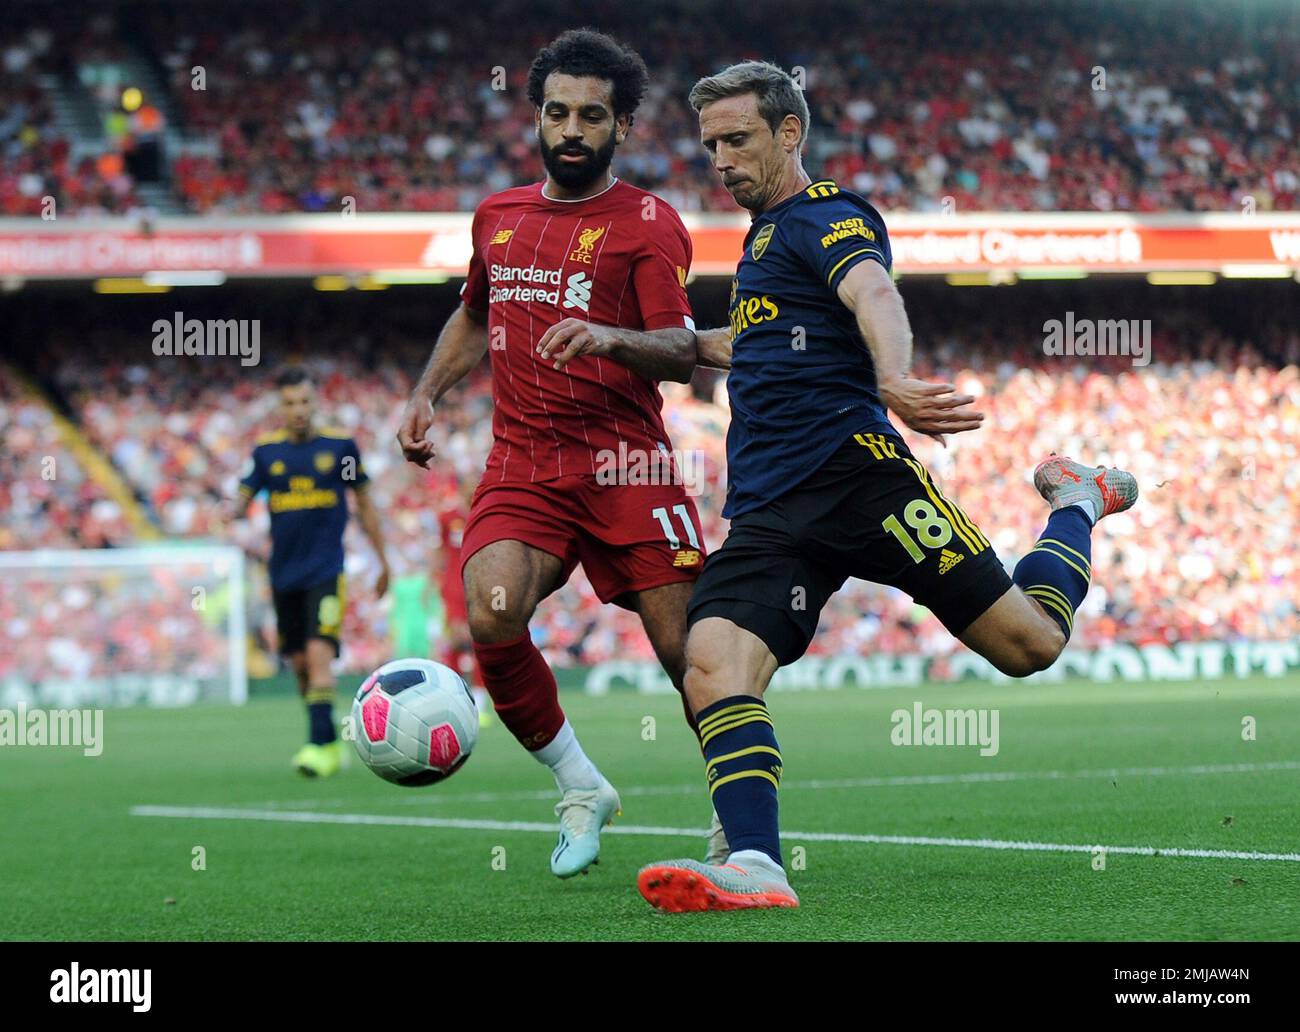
588, 52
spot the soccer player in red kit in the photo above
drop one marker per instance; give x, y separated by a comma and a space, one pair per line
458, 648
576, 292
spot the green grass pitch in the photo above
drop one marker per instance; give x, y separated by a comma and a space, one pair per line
78, 864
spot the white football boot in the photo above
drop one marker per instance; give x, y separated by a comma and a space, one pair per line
582, 812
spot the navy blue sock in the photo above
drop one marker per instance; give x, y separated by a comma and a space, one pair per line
743, 768
320, 723
1056, 571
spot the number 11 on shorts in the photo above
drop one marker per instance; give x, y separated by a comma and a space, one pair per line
674, 542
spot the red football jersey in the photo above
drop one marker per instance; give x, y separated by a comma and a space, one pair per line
617, 259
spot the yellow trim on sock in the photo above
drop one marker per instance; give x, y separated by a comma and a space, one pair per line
1047, 600
1060, 595
707, 737
1069, 562
741, 752
1051, 603
731, 711
744, 774
1052, 541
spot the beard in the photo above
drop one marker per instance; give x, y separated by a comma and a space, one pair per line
576, 175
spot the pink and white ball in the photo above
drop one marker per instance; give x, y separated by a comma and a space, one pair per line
415, 722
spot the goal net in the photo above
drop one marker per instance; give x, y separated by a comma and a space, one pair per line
120, 626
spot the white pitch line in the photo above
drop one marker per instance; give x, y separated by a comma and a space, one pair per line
301, 817
972, 777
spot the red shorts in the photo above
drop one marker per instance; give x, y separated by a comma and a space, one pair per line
628, 537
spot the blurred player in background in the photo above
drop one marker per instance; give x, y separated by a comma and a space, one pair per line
306, 473
576, 290
821, 487
458, 646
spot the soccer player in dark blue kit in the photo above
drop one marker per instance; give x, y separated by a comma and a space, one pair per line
822, 487
307, 473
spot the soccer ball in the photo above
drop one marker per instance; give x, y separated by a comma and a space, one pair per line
415, 722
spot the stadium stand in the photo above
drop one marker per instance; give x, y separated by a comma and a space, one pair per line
302, 105
1211, 429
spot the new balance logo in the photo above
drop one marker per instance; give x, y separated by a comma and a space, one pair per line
948, 559
578, 291
687, 557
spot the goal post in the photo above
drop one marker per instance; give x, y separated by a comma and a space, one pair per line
161, 625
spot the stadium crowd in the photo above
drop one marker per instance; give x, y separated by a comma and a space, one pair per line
1211, 429
38, 164
47, 500
1014, 107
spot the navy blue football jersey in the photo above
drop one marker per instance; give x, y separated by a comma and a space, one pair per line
305, 483
801, 380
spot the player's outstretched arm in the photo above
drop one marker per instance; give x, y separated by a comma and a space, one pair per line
460, 347
667, 354
928, 408
713, 348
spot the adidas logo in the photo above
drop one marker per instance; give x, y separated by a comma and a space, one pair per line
948, 559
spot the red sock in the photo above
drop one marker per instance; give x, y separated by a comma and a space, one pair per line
523, 690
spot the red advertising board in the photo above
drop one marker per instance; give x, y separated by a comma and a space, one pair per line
311, 245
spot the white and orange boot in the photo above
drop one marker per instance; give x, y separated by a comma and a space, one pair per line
749, 880
1062, 482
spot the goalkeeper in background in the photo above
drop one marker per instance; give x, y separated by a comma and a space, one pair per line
306, 472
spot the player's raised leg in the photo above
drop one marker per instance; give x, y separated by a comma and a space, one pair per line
728, 670
1026, 629
504, 582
